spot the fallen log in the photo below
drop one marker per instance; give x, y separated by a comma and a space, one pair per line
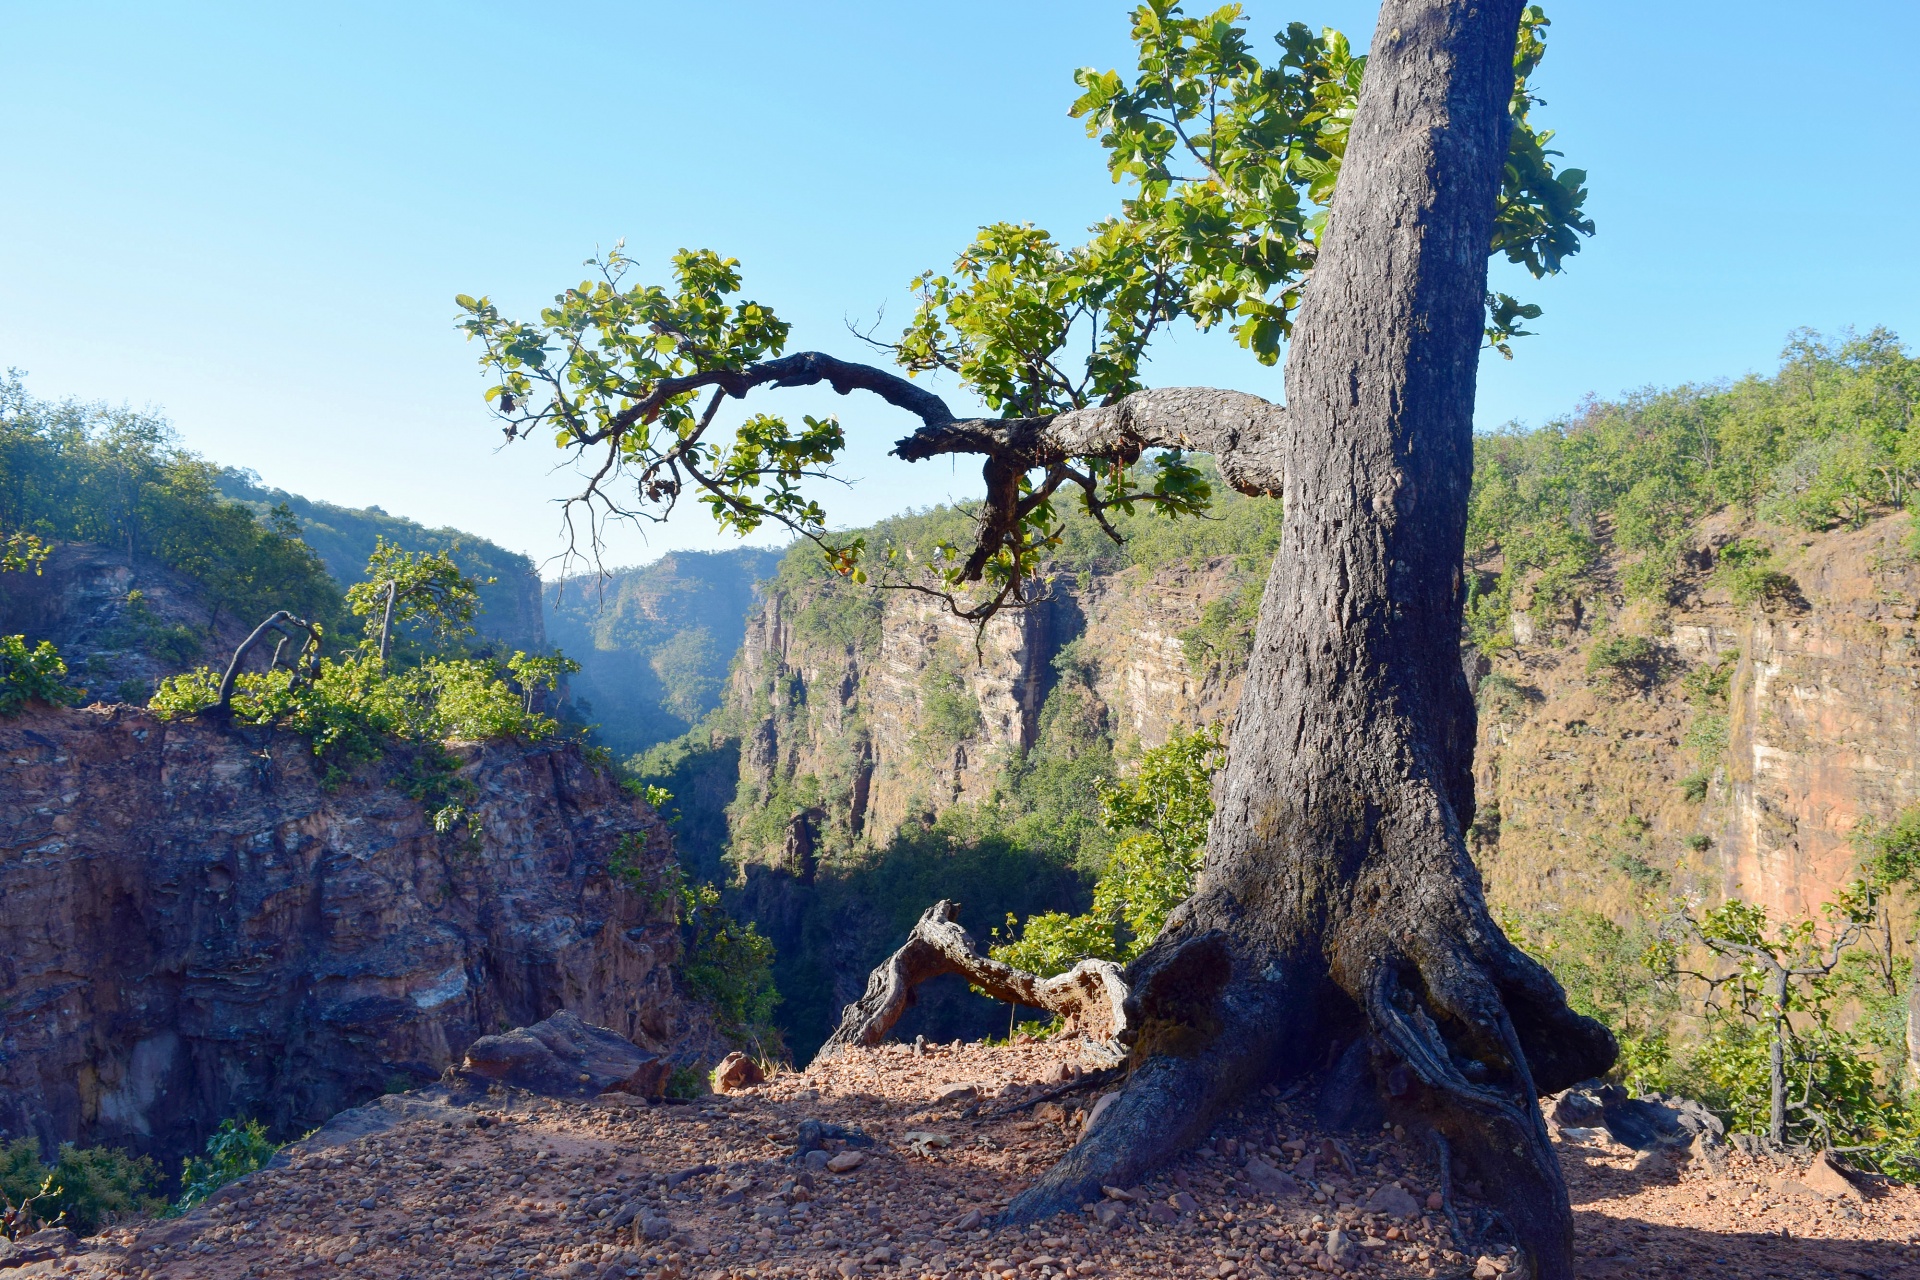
1090, 997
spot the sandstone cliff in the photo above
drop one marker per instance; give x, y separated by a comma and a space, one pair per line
1595, 786
195, 928
1584, 775
862, 729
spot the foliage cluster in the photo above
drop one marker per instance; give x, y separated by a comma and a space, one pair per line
1825, 442
84, 1189
36, 674
89, 473
350, 709
1161, 813
1793, 1031
1226, 162
235, 1149
345, 537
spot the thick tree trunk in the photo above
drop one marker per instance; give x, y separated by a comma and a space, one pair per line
1338, 900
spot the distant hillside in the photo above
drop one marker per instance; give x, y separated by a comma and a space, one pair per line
654, 642
344, 537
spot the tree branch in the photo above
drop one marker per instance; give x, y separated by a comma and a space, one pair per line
1241, 431
1090, 997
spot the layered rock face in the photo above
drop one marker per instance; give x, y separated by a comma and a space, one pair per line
913, 719
194, 928
1595, 787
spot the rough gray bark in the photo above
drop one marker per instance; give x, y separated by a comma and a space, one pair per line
1338, 904
1338, 898
1090, 997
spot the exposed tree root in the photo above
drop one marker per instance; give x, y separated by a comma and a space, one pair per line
1090, 997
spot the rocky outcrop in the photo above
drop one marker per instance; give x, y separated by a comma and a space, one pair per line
196, 928
119, 624
1597, 786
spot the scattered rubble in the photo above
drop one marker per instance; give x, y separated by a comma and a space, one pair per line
836, 1172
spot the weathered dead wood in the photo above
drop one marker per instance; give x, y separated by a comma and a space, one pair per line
1090, 997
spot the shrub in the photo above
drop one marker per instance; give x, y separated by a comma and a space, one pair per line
1694, 785
1221, 642
33, 675
236, 1149
353, 707
1632, 658
85, 1189
730, 967
1745, 573
1164, 808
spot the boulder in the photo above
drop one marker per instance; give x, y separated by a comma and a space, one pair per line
1268, 1180
1825, 1177
563, 1057
737, 1071
1393, 1200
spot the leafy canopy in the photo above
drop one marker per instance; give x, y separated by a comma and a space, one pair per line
429, 594
1228, 162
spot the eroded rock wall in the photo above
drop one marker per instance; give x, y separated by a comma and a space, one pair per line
1583, 776
874, 722
191, 927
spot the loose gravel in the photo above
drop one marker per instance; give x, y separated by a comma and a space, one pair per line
516, 1187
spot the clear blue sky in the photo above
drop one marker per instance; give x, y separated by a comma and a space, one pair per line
254, 217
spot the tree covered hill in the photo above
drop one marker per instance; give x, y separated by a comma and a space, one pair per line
343, 538
654, 642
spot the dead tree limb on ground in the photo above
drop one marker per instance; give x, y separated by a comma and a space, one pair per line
1090, 997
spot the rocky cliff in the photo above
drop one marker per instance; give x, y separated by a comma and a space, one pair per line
1735, 755
1735, 758
196, 928
859, 729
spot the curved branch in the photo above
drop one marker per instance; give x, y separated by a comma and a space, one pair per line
1241, 431
1090, 997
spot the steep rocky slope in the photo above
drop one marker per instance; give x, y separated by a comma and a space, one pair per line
1735, 754
196, 928
1812, 726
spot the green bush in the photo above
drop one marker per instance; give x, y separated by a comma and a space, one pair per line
1745, 573
1613, 973
1221, 642
1632, 658
1164, 809
236, 1149
85, 1189
730, 967
353, 708
33, 675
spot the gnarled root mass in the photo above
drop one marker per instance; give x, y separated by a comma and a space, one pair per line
1090, 998
1451, 1038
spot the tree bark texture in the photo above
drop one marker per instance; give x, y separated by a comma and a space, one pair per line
1338, 904
1090, 998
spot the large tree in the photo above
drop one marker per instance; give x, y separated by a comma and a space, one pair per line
1346, 208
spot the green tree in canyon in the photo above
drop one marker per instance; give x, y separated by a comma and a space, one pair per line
1338, 209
